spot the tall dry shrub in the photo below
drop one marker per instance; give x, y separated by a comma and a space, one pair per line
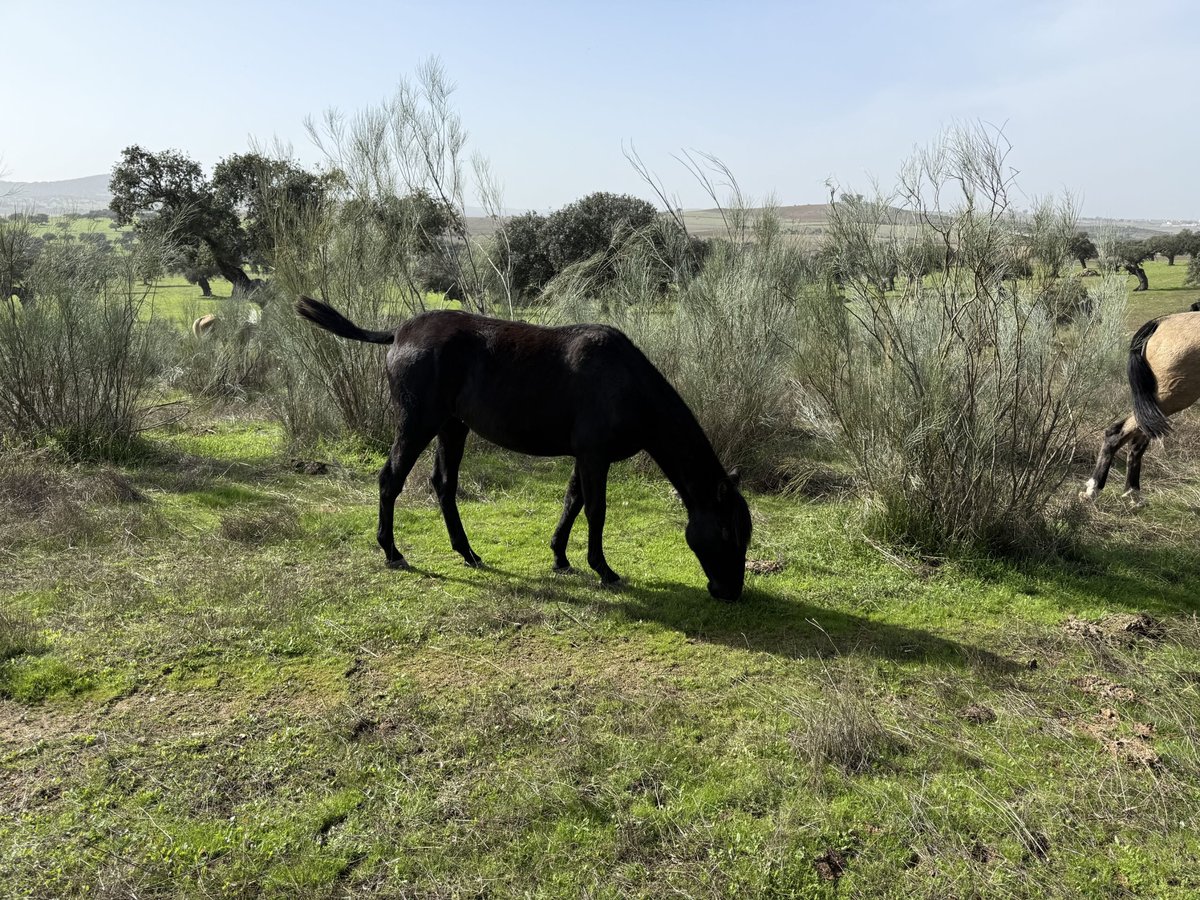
76, 359
331, 388
723, 335
361, 252
230, 362
960, 393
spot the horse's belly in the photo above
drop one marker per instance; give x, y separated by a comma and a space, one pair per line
522, 436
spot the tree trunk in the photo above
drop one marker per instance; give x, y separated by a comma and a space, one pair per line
205, 288
1140, 274
1083, 262
232, 271
236, 275
1170, 258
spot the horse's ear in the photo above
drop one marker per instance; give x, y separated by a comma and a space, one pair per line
730, 483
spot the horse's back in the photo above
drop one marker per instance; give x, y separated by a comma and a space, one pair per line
531, 388
1173, 352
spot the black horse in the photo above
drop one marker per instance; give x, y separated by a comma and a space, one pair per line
580, 390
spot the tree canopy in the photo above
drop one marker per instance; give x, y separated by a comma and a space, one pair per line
1082, 248
224, 218
537, 247
1129, 255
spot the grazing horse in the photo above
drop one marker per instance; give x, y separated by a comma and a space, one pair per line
1164, 378
579, 390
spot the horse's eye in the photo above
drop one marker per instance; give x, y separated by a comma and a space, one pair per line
725, 534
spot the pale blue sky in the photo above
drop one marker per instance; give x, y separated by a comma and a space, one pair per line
1097, 97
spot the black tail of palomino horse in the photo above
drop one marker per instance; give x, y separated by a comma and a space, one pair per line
1164, 378
580, 390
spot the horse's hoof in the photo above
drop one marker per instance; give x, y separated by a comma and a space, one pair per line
563, 568
1134, 499
610, 579
400, 563
473, 560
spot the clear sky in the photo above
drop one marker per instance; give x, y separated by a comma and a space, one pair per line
1097, 97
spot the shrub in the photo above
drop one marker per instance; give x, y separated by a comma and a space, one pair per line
75, 360
959, 396
395, 223
231, 361
722, 336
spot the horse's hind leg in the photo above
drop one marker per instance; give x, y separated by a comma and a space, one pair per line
452, 439
572, 504
1116, 436
412, 437
1133, 470
593, 478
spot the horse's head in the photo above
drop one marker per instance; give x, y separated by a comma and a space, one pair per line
718, 531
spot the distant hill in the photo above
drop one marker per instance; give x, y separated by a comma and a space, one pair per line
75, 195
80, 195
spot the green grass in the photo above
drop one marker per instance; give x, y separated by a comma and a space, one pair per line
219, 690
171, 298
77, 225
1167, 293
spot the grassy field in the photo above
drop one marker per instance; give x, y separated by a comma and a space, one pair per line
1167, 292
76, 225
212, 687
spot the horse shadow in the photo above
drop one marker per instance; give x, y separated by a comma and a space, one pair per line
784, 625
762, 621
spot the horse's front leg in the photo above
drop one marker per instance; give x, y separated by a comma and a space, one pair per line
593, 478
1116, 436
572, 504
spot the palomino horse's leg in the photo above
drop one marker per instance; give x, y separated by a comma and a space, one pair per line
411, 441
1116, 436
593, 478
1133, 470
452, 439
572, 503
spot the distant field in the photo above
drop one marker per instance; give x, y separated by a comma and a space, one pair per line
173, 298
81, 225
1167, 293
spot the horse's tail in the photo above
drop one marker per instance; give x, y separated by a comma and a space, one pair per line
325, 316
1144, 385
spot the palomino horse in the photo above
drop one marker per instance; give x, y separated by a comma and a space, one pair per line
205, 325
1164, 378
209, 324
580, 390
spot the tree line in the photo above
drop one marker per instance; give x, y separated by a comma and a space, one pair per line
1129, 254
220, 224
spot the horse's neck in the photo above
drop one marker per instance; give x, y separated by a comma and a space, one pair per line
681, 449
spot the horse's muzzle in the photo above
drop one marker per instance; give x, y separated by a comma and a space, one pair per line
727, 593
